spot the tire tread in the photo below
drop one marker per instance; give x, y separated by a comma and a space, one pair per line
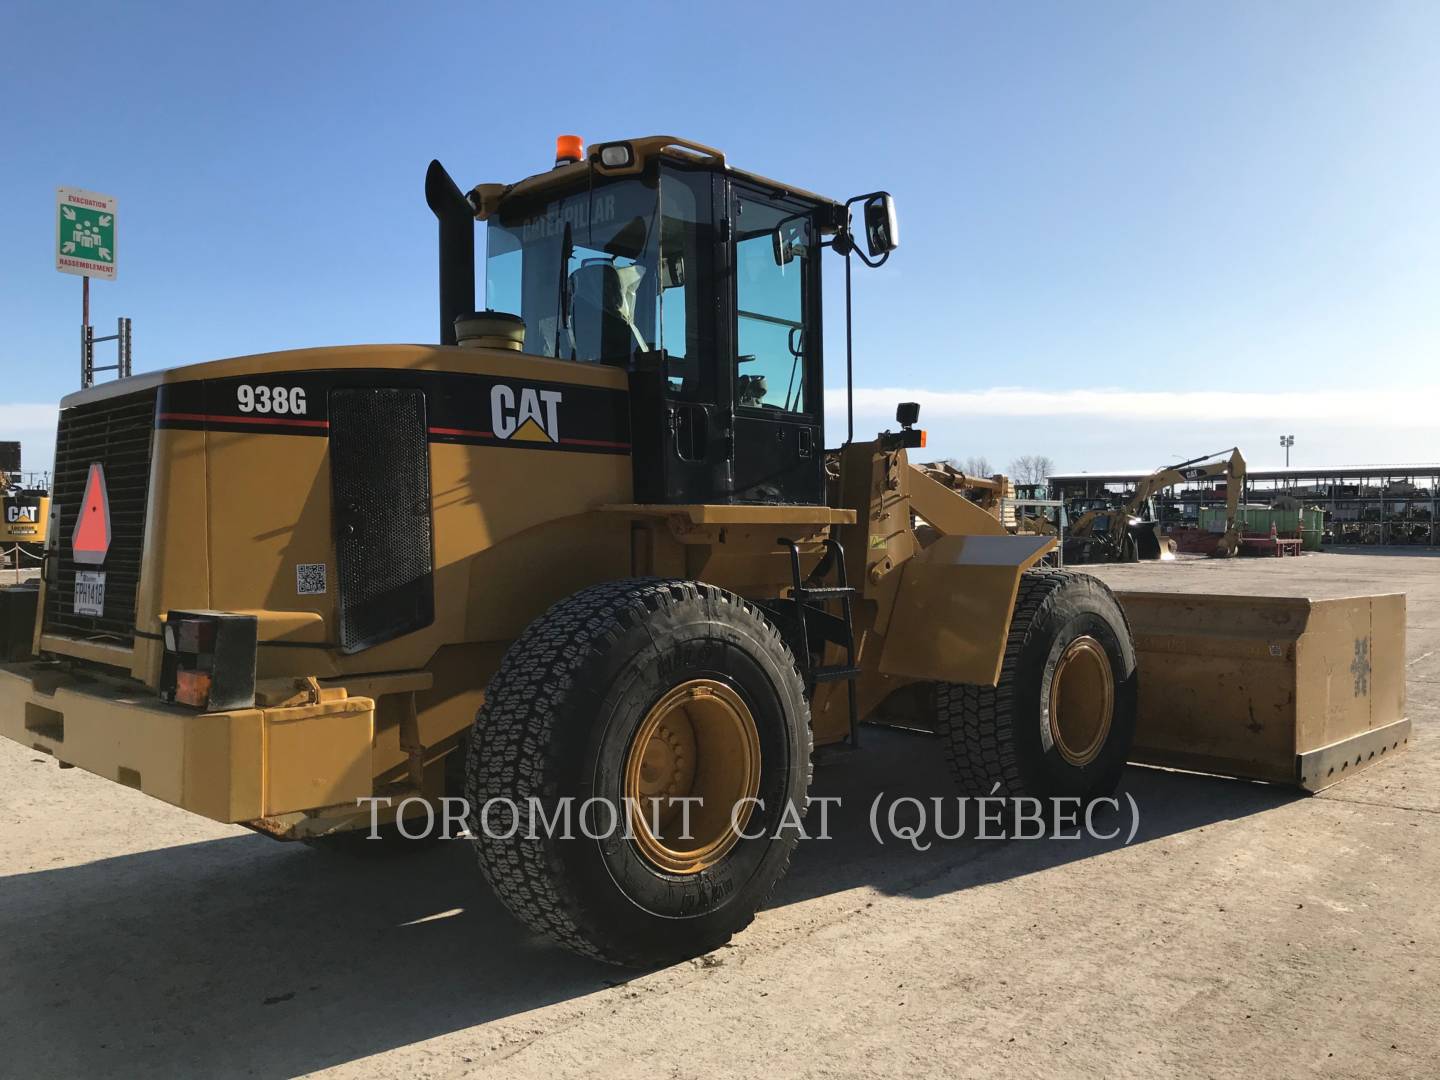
514, 729
977, 723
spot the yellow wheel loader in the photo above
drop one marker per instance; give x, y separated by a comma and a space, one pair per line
586, 565
1121, 535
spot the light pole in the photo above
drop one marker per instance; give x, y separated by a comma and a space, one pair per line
1287, 441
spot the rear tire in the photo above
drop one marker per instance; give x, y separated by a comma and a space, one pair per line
1033, 735
572, 714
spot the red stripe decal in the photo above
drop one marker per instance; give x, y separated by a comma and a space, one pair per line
461, 431
597, 442
563, 442
281, 421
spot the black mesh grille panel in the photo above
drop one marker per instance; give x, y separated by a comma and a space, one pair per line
116, 433
380, 491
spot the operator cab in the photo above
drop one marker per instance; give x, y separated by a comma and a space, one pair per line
702, 282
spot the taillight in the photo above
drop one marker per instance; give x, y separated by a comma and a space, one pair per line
209, 660
192, 688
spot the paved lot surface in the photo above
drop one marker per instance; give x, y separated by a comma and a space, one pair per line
1246, 931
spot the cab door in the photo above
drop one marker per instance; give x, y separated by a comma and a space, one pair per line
774, 348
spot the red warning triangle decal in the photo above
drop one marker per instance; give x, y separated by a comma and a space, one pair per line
91, 538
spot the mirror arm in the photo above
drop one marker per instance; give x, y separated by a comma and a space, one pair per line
847, 229
849, 348
881, 261
844, 242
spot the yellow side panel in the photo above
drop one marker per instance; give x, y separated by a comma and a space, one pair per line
318, 755
175, 573
510, 537
952, 609
513, 581
223, 777
269, 512
1387, 658
1350, 668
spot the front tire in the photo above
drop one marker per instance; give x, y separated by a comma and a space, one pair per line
640, 690
1061, 721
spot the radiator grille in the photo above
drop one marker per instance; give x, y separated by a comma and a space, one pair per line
117, 433
380, 490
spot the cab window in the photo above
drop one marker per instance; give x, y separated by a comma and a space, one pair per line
774, 253
687, 281
580, 270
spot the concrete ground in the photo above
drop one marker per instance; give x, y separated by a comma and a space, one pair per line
1246, 931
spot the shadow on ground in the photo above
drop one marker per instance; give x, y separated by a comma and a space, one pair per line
244, 956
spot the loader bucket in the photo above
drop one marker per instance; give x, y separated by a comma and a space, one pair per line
1149, 544
1285, 689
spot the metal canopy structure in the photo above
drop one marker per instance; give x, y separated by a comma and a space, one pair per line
1294, 472
1363, 504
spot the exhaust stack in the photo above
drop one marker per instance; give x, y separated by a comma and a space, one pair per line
457, 248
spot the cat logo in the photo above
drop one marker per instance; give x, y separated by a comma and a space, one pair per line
529, 416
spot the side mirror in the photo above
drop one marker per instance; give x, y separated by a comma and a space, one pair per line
672, 271
882, 229
784, 253
789, 239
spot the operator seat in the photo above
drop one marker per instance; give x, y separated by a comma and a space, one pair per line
602, 308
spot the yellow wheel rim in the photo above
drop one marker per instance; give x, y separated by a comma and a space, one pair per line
1082, 701
699, 742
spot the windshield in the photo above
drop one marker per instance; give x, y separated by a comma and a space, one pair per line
580, 270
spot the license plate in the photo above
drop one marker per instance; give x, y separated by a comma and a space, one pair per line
90, 592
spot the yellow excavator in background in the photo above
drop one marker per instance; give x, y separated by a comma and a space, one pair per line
1121, 535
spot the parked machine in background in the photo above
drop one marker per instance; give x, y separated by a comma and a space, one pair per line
1121, 534
24, 512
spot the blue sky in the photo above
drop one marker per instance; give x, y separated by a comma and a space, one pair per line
1130, 232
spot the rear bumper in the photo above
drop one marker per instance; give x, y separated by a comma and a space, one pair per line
233, 767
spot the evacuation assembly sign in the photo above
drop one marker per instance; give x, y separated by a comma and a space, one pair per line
85, 233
